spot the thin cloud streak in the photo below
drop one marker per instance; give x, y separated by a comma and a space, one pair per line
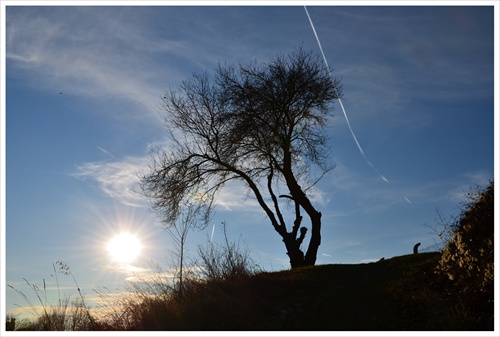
119, 180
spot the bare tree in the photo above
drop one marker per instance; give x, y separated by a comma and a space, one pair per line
262, 125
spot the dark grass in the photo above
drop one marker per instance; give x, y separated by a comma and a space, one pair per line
398, 294
346, 297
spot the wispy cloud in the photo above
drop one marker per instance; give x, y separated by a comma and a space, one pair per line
90, 53
236, 196
113, 52
130, 271
118, 180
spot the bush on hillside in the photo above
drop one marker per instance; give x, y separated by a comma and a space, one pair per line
468, 257
226, 261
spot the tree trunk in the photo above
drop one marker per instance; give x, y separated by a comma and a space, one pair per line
293, 251
312, 250
301, 198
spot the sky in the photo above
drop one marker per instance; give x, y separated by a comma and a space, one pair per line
80, 105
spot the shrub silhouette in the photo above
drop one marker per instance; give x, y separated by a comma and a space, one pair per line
468, 257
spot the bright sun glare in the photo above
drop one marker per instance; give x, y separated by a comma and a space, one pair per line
124, 247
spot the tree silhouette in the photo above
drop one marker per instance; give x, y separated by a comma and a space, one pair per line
262, 125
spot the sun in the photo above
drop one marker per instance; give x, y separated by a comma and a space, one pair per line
124, 247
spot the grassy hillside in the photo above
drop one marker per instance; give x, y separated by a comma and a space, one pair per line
401, 293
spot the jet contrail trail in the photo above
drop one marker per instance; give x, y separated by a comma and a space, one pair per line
340, 101
408, 201
106, 152
213, 230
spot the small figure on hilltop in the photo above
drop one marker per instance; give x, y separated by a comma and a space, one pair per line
415, 248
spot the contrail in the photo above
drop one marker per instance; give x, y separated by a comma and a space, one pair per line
106, 152
408, 201
213, 230
340, 101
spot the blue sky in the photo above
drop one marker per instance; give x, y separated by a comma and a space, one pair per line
82, 95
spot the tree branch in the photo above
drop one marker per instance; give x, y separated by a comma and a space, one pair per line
274, 199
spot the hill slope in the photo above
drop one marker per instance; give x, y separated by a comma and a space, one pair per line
396, 294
